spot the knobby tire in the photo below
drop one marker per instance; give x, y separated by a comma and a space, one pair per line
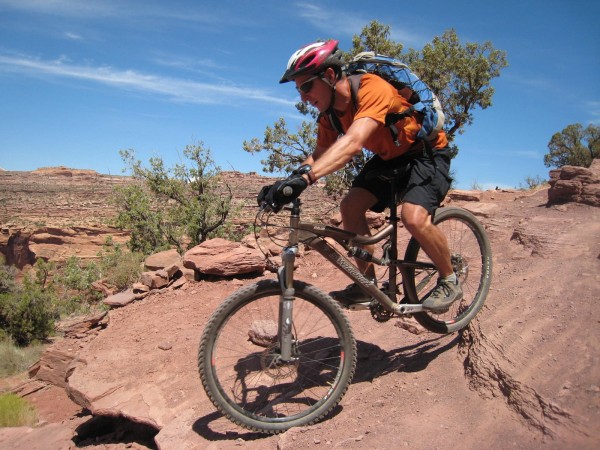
471, 256
239, 369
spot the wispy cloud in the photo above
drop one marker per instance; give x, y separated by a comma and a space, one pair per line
174, 89
508, 153
205, 66
73, 36
594, 108
114, 9
527, 154
345, 23
68, 8
330, 20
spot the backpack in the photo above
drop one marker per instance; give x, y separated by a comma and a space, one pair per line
411, 87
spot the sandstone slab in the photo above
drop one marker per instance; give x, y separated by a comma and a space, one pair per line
224, 258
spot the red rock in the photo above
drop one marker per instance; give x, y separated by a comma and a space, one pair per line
224, 258
162, 259
120, 299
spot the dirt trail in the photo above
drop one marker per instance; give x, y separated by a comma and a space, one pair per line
525, 374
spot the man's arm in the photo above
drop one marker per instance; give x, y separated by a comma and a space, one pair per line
326, 161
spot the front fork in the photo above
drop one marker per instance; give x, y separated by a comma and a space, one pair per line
286, 302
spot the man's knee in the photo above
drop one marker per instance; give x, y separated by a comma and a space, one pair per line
415, 218
356, 203
348, 208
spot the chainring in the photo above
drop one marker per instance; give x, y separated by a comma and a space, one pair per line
379, 313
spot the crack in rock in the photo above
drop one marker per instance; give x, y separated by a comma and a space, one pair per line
483, 369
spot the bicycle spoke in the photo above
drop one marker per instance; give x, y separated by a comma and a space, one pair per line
252, 379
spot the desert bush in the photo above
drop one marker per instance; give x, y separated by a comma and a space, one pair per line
7, 278
533, 182
118, 267
173, 207
15, 359
476, 186
29, 313
73, 282
16, 412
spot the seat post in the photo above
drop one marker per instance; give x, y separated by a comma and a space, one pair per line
393, 250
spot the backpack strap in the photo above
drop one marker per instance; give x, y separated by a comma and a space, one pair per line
335, 122
390, 119
333, 118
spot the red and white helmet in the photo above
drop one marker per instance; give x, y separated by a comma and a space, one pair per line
313, 59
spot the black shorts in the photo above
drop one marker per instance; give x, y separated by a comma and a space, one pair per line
423, 184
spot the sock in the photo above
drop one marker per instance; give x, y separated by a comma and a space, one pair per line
451, 278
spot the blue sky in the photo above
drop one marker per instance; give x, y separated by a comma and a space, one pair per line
81, 80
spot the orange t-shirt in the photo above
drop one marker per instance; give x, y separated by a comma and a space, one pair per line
375, 99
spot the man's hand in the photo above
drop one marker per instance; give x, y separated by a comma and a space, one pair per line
282, 192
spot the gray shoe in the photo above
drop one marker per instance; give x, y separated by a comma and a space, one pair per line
443, 296
350, 295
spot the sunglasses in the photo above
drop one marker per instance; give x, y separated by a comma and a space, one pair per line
305, 87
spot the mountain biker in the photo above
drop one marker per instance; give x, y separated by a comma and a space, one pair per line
317, 72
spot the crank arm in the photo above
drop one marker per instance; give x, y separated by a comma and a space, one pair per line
405, 308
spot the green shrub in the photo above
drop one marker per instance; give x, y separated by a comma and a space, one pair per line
14, 359
74, 275
533, 183
74, 282
16, 412
28, 314
7, 278
173, 207
119, 268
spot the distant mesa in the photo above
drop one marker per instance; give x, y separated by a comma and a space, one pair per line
64, 171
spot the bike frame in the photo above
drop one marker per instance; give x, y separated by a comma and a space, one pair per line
313, 235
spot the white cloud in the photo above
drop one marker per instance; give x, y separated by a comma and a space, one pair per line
73, 36
173, 88
594, 109
115, 9
528, 154
70, 8
343, 22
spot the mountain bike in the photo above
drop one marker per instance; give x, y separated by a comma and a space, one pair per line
281, 353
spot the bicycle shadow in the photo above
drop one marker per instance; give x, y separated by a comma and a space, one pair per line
202, 426
373, 361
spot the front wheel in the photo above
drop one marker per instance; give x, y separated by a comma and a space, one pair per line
241, 367
471, 257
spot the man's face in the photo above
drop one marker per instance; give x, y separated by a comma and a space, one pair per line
314, 90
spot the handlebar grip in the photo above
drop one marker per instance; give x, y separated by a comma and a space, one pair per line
287, 191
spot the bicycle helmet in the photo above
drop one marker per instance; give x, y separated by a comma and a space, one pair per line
312, 59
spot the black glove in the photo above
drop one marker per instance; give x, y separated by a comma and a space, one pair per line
260, 198
283, 191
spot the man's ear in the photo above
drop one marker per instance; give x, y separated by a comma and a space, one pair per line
329, 76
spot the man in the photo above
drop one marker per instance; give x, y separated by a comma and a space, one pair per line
317, 72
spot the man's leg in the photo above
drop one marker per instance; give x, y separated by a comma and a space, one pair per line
354, 208
418, 222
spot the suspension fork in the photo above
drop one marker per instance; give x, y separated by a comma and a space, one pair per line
286, 281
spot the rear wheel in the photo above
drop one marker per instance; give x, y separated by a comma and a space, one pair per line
471, 257
240, 365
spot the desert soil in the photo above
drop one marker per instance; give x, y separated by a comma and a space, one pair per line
524, 374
